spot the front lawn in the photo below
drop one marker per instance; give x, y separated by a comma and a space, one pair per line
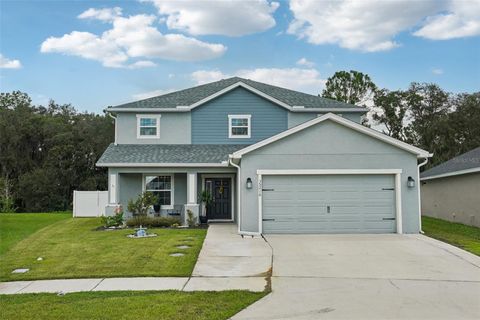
127, 305
73, 249
460, 235
16, 226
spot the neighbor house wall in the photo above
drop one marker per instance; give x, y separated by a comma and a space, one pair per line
210, 121
296, 118
174, 128
454, 198
329, 145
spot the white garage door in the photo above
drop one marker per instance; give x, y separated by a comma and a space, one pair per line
328, 204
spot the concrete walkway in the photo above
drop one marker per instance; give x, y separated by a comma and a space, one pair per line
226, 262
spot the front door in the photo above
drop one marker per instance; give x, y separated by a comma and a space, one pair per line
221, 191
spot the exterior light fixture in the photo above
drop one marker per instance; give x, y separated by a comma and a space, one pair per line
249, 183
410, 182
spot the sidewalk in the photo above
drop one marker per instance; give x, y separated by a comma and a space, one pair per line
256, 284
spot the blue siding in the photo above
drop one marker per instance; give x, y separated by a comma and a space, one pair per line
210, 121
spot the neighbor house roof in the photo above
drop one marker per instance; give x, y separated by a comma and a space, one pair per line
190, 98
420, 153
163, 155
468, 162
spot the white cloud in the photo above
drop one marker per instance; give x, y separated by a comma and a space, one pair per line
6, 63
305, 63
461, 19
106, 14
367, 25
132, 37
227, 17
305, 80
142, 64
437, 71
149, 94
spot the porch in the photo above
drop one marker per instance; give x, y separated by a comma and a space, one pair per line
177, 190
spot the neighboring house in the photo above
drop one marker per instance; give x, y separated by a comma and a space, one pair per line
451, 190
275, 160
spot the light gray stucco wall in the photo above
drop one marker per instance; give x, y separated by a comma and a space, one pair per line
174, 129
455, 198
296, 118
329, 145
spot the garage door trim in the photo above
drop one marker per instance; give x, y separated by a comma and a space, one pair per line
396, 172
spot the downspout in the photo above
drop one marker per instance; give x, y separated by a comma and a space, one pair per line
419, 198
114, 118
230, 161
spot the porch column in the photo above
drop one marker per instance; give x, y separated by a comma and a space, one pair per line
191, 195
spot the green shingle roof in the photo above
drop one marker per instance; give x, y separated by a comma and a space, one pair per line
167, 153
192, 95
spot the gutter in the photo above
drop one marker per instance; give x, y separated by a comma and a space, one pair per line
419, 196
114, 118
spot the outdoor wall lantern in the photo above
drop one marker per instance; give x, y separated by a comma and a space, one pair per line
249, 183
410, 182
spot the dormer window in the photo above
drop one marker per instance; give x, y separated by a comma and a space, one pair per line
148, 126
239, 126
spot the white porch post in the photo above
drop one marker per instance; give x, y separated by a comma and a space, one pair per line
191, 195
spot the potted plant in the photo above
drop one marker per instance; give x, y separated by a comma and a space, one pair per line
205, 199
156, 206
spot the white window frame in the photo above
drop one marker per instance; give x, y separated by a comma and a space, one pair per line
172, 187
148, 116
239, 116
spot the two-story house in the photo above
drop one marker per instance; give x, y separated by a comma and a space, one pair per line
275, 160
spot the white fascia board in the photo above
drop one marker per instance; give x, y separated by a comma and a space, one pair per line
340, 120
451, 174
150, 165
323, 110
147, 110
245, 86
328, 171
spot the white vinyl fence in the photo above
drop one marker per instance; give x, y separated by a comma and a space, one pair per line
89, 203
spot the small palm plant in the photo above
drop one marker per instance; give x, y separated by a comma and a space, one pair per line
206, 199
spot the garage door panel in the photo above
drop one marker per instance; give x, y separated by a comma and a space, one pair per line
329, 204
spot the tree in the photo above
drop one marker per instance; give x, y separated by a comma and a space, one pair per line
391, 111
351, 87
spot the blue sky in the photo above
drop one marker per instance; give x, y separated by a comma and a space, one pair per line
98, 53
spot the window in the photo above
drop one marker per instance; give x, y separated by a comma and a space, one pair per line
239, 126
148, 126
162, 188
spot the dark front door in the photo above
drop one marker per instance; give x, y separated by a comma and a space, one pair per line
221, 191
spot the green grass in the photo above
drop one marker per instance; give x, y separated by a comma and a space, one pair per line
17, 226
72, 249
127, 305
457, 234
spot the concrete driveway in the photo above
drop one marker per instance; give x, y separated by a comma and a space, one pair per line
369, 277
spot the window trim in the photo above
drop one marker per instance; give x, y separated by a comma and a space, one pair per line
148, 116
249, 126
172, 187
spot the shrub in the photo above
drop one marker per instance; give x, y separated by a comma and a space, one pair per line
114, 221
152, 222
141, 205
190, 219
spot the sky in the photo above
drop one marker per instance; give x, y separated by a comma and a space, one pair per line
94, 54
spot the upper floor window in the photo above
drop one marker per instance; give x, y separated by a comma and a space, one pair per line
239, 126
148, 126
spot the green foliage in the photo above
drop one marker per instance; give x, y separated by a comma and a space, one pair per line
152, 222
47, 152
190, 219
205, 197
113, 221
351, 87
141, 205
393, 116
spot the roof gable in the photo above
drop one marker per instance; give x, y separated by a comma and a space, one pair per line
342, 121
187, 99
